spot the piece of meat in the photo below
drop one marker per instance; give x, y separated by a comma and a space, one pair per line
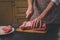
23, 28
43, 25
39, 29
26, 28
7, 29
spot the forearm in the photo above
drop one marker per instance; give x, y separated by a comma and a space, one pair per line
50, 5
30, 4
29, 9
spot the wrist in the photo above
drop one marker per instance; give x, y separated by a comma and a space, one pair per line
29, 8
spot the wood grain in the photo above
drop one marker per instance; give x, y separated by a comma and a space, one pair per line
30, 31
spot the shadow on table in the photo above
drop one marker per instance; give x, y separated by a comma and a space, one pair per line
7, 37
53, 32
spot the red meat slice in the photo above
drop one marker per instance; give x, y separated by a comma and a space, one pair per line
39, 29
26, 28
7, 29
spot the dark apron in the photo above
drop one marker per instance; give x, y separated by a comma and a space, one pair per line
51, 16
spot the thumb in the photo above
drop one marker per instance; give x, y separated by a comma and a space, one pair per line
26, 16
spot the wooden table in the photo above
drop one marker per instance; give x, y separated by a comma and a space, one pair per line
50, 35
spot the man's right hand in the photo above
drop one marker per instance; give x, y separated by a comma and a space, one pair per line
28, 13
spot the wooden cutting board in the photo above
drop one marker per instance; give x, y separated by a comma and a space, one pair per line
30, 31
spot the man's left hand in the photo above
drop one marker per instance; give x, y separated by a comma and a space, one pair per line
35, 21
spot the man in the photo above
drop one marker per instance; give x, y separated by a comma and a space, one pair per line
45, 10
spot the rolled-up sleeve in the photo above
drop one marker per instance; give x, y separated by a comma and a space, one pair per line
56, 1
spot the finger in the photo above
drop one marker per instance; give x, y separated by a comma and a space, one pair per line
33, 24
40, 24
26, 16
36, 23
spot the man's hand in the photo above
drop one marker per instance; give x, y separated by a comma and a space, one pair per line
29, 10
36, 21
28, 13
